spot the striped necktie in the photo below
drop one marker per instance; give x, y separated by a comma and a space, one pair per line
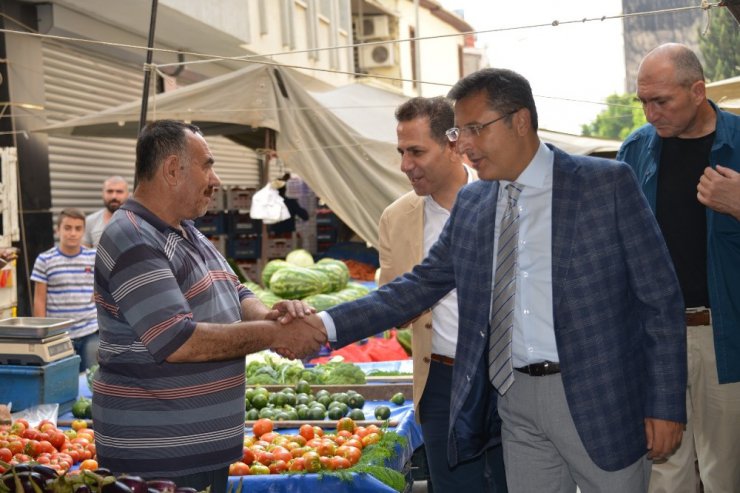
500, 369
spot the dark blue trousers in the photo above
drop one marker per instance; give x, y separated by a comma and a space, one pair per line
482, 474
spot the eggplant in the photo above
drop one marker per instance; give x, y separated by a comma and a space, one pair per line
162, 485
24, 482
82, 488
136, 483
116, 487
103, 471
45, 471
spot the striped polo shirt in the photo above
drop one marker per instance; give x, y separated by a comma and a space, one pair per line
152, 284
69, 288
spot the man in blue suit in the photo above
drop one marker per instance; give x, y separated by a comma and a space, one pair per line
597, 369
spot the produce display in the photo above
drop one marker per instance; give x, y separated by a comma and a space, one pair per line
300, 404
321, 284
267, 368
46, 445
346, 449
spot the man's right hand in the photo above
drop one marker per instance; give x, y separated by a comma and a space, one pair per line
301, 337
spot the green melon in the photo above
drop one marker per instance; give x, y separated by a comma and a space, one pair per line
268, 298
322, 301
296, 282
270, 268
300, 257
337, 277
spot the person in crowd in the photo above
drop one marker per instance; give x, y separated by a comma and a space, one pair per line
115, 193
175, 324
568, 305
687, 158
408, 229
288, 226
63, 277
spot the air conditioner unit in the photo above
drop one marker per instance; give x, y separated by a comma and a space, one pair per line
377, 55
373, 27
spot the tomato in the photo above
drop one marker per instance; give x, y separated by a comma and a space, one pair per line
278, 466
57, 439
370, 439
350, 453
46, 426
312, 461
354, 442
314, 442
281, 453
324, 462
306, 431
45, 447
258, 468
269, 437
346, 424
326, 448
21, 458
239, 469
31, 434
338, 462
299, 439
318, 431
31, 448
5, 454
89, 465
298, 452
16, 447
262, 426
373, 429
361, 431
79, 424
264, 457
247, 456
297, 464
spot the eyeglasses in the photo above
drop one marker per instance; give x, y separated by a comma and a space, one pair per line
454, 133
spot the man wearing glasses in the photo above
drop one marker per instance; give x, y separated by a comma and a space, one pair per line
568, 305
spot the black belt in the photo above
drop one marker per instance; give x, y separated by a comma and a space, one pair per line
540, 369
696, 318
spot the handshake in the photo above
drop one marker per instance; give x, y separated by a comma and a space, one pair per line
300, 332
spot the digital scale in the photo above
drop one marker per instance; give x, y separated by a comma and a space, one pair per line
34, 340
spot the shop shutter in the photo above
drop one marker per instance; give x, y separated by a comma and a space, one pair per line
80, 82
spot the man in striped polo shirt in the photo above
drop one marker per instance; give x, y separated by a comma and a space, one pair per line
64, 285
175, 324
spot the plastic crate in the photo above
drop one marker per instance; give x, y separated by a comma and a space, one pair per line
239, 198
279, 247
241, 223
244, 247
325, 217
211, 224
54, 383
326, 235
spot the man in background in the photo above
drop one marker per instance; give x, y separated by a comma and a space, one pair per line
64, 277
408, 229
115, 193
690, 145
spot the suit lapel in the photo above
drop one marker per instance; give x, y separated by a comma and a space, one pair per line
486, 231
566, 194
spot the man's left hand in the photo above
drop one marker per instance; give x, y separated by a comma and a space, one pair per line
288, 310
663, 437
719, 189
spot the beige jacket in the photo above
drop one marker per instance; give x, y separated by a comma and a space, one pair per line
401, 233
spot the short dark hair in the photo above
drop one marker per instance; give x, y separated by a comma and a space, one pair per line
506, 91
438, 109
70, 212
158, 140
688, 66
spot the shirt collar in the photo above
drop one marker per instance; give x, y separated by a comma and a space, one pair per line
537, 171
132, 205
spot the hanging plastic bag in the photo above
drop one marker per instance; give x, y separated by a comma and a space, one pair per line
269, 206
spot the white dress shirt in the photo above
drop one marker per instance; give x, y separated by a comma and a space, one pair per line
444, 312
533, 339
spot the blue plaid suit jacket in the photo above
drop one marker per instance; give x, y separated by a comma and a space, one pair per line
618, 310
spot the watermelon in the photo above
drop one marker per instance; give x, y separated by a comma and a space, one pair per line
322, 301
361, 289
347, 294
300, 257
338, 277
268, 298
296, 282
270, 268
252, 286
337, 262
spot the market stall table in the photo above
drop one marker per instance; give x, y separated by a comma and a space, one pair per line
406, 427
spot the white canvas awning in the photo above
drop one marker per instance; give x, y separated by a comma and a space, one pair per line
341, 141
726, 93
